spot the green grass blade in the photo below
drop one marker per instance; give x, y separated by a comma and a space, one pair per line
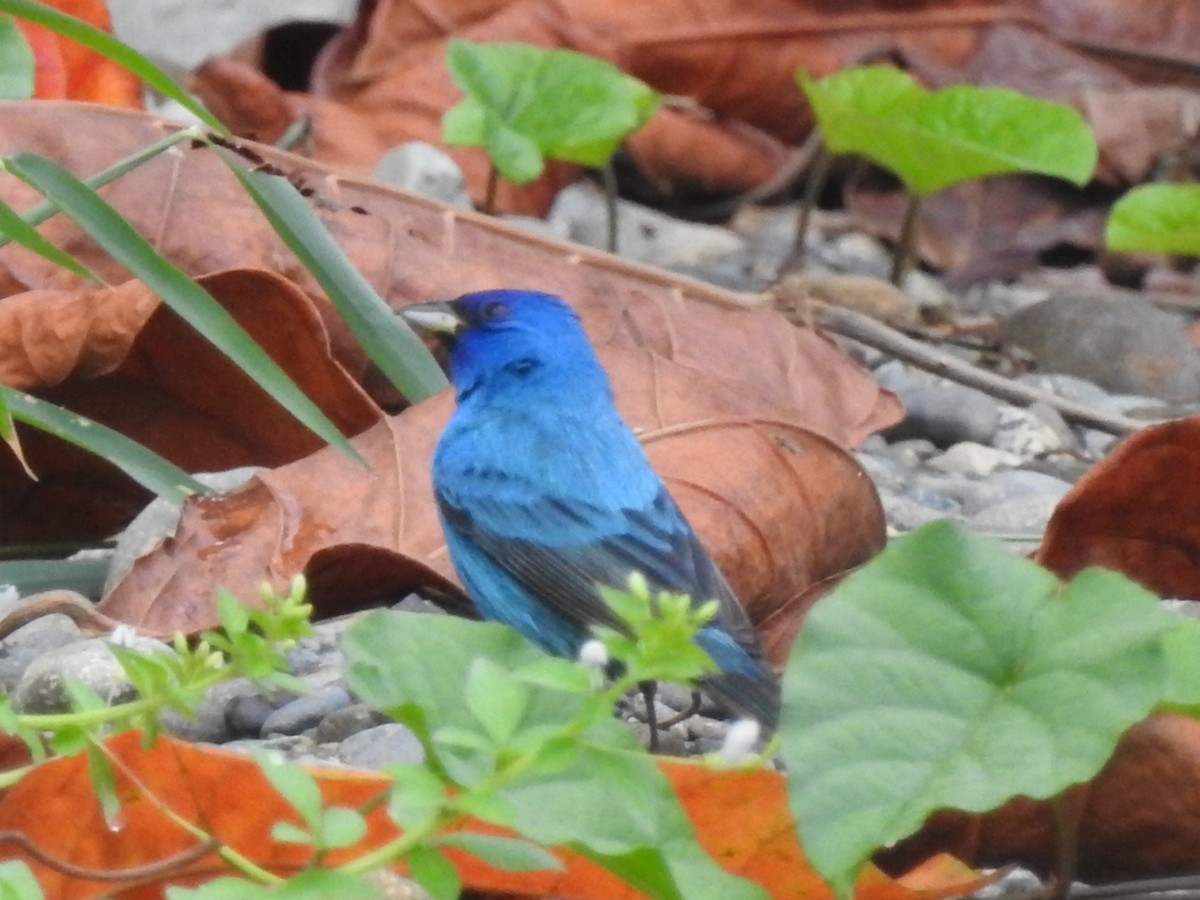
32, 576
13, 227
107, 45
16, 62
192, 303
38, 214
387, 339
144, 466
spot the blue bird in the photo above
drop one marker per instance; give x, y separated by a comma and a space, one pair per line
545, 493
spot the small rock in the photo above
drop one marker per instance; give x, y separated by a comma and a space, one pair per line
210, 720
341, 723
940, 411
904, 514
245, 716
383, 745
971, 459
642, 233
1032, 432
307, 711
1000, 487
28, 643
1124, 344
426, 170
41, 688
1020, 515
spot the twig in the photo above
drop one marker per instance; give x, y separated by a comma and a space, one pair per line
157, 869
875, 334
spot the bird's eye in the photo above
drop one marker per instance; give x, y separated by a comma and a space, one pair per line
495, 310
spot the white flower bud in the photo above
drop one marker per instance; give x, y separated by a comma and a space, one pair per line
593, 654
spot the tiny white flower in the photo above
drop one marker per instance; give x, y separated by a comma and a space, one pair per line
124, 635
593, 654
739, 741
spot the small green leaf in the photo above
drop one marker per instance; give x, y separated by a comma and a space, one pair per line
496, 699
1182, 647
416, 794
297, 787
104, 784
386, 337
290, 833
510, 854
428, 868
18, 883
950, 673
1156, 218
932, 140
16, 62
525, 102
341, 826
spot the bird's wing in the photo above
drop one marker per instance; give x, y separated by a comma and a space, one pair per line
559, 548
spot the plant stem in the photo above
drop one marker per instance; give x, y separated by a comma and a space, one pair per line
489, 197
1067, 839
903, 254
609, 177
815, 183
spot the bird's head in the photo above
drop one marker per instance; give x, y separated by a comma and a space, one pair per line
505, 338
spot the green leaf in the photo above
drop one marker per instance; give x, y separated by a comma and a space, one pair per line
510, 854
14, 227
18, 883
416, 795
950, 673
192, 303
16, 62
428, 868
309, 884
32, 576
341, 826
525, 102
932, 140
290, 833
386, 338
108, 46
297, 787
496, 699
1182, 647
415, 667
104, 784
144, 466
1156, 218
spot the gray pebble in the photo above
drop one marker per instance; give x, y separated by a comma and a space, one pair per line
426, 170
41, 688
383, 745
210, 721
21, 648
245, 716
341, 723
1020, 515
973, 460
307, 711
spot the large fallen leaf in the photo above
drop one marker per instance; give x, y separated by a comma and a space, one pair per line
1136, 511
410, 248
780, 506
117, 356
740, 817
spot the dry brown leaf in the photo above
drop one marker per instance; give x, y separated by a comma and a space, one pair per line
162, 386
1136, 511
740, 818
779, 507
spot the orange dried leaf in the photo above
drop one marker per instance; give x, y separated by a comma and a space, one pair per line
1136, 511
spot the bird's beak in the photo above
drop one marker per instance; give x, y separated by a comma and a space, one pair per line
437, 317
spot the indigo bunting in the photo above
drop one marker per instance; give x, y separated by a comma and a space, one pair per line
545, 493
